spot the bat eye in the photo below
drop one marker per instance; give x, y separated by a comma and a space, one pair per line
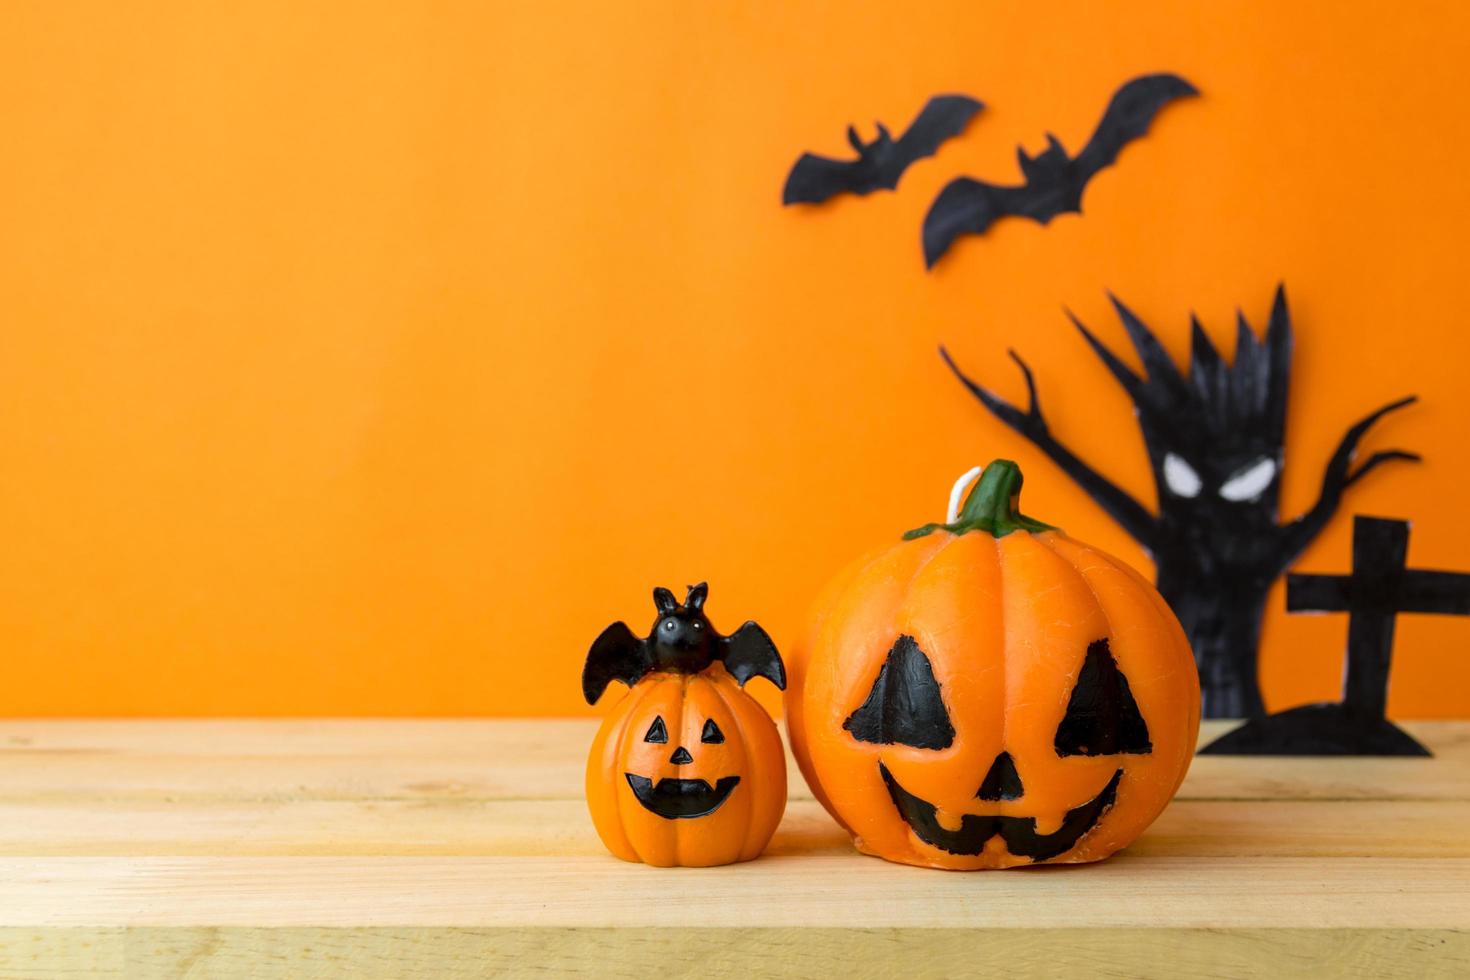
1249, 482
1180, 477
711, 734
657, 732
670, 626
699, 626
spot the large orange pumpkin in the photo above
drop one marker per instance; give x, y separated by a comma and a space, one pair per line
687, 769
991, 693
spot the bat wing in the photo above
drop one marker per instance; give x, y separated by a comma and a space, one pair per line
813, 179
749, 652
616, 655
967, 207
1128, 117
942, 118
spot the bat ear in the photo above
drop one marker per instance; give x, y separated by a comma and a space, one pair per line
665, 601
883, 133
854, 138
697, 595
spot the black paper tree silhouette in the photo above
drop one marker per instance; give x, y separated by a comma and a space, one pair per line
1214, 438
1377, 591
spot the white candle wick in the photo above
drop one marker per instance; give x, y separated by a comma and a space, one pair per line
958, 491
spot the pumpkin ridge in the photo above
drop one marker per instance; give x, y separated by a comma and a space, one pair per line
1166, 619
1045, 540
684, 697
744, 746
1000, 621
625, 722
903, 593
808, 769
919, 570
1161, 609
616, 732
908, 586
928, 559
755, 725
1171, 625
1166, 615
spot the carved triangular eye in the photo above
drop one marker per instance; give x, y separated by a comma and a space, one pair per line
657, 732
711, 734
1102, 716
904, 706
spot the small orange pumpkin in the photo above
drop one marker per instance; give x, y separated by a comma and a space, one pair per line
991, 693
687, 769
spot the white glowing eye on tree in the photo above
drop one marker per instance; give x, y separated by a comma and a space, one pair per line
1248, 483
1180, 477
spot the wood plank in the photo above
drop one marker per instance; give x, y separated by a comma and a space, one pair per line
293, 759
541, 828
814, 891
534, 760
700, 953
542, 739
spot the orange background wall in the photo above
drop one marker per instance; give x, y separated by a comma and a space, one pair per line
369, 358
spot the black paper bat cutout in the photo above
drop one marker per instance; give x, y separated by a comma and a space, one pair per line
1054, 180
882, 162
683, 640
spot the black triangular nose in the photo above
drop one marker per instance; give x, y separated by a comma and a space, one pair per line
681, 756
1002, 782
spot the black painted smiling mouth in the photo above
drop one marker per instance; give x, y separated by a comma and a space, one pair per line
1019, 833
677, 799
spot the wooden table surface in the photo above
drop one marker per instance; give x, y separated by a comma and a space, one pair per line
463, 848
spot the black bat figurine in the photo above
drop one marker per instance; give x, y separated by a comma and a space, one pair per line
682, 640
1054, 180
882, 162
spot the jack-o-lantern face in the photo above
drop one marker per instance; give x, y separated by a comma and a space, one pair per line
905, 707
972, 699
681, 797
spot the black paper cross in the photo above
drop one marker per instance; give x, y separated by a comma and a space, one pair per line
1378, 590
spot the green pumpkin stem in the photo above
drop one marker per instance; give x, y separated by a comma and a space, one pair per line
993, 506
